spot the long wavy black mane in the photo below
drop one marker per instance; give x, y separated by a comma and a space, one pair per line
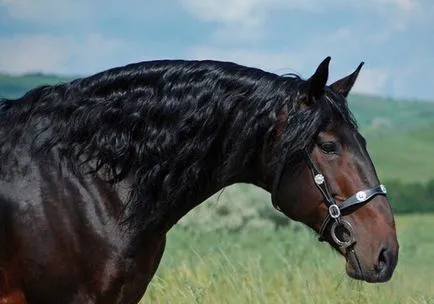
174, 127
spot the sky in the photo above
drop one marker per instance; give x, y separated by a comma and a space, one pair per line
395, 38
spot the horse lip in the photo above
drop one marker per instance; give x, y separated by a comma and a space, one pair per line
358, 273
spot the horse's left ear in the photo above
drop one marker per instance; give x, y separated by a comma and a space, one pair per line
343, 86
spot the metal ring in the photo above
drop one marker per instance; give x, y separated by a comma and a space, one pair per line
348, 227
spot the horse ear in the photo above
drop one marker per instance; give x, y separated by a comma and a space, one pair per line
343, 86
317, 82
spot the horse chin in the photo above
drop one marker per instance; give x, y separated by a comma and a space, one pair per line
355, 271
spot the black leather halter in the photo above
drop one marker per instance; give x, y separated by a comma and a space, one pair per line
334, 210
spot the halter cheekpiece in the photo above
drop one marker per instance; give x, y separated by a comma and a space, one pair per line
334, 210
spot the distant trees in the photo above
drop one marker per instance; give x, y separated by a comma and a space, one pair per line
411, 197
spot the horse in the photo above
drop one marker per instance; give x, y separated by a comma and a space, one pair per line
94, 172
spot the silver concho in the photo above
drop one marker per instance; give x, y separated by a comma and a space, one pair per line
319, 179
383, 188
361, 196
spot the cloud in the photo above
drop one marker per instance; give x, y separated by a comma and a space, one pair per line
275, 62
225, 11
34, 53
76, 36
245, 20
248, 12
84, 14
405, 5
241, 20
51, 12
58, 54
371, 81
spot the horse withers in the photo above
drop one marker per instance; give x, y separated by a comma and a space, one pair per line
95, 172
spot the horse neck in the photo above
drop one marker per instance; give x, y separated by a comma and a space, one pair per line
179, 154
204, 189
215, 172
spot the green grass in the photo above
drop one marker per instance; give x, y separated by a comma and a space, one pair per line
287, 266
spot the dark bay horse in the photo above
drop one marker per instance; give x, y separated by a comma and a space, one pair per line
94, 172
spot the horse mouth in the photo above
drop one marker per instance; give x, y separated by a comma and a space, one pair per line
368, 277
356, 271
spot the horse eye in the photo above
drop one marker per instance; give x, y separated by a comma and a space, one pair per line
329, 147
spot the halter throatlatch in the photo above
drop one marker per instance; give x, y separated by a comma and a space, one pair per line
346, 238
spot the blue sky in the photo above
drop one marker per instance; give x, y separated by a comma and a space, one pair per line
395, 38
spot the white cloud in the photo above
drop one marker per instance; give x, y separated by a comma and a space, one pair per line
341, 34
371, 81
58, 54
237, 30
248, 12
244, 20
50, 12
225, 11
34, 53
274, 62
406, 5
241, 20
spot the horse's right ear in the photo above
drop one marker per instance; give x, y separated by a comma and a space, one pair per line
317, 82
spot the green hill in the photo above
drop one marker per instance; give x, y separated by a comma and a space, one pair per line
407, 156
400, 133
400, 136
15, 86
378, 117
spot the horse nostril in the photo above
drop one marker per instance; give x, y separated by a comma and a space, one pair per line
383, 262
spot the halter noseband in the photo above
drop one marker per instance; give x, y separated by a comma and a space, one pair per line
334, 210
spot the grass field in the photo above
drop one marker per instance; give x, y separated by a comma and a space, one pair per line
287, 266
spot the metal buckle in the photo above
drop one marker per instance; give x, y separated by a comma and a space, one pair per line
334, 211
343, 243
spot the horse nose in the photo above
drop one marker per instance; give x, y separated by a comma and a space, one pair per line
385, 264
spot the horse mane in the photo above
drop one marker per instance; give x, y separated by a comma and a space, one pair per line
172, 125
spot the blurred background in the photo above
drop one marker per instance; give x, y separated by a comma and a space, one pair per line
235, 248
